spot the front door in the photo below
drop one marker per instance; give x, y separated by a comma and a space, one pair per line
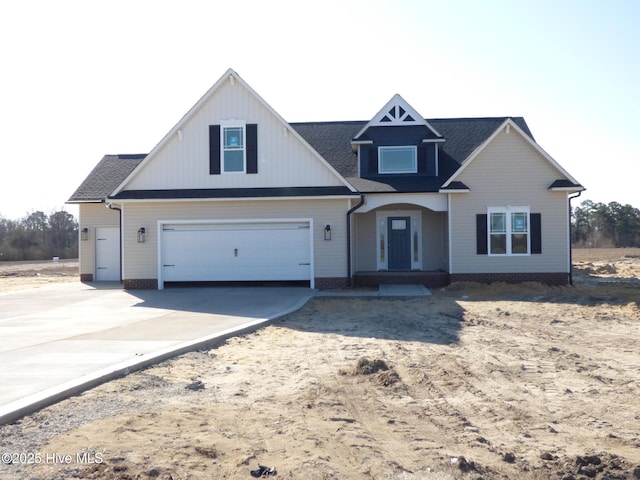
399, 243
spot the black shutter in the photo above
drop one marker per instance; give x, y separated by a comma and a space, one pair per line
427, 159
481, 234
422, 160
536, 232
214, 149
373, 159
252, 148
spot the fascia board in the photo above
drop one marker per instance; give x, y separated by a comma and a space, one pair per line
235, 199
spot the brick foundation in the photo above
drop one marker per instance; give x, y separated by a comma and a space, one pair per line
554, 278
331, 283
141, 284
428, 279
86, 277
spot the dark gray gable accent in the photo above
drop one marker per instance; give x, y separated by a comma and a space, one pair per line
214, 149
252, 148
482, 248
564, 183
536, 233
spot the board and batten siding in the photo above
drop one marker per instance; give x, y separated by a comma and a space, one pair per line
92, 216
330, 257
283, 160
509, 172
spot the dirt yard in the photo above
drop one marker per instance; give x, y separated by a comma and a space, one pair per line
20, 275
475, 381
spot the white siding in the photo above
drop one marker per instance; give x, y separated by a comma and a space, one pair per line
283, 160
141, 259
509, 172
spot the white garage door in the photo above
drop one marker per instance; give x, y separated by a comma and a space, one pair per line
236, 252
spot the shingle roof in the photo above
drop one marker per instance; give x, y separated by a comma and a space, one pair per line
332, 140
105, 177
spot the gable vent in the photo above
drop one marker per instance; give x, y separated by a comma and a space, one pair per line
398, 112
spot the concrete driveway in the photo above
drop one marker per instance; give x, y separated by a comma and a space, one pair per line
60, 340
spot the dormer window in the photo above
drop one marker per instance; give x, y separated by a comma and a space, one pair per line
397, 159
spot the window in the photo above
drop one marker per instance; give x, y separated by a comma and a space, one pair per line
397, 160
233, 151
509, 231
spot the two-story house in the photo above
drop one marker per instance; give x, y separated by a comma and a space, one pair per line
235, 193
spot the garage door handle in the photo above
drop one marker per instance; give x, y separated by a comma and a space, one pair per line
235, 252
168, 265
304, 264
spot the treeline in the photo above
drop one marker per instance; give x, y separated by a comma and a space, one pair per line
39, 236
605, 225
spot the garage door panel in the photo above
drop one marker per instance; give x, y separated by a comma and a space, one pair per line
232, 252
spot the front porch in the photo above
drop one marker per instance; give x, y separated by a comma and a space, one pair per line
430, 279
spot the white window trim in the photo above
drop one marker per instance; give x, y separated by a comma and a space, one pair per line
389, 147
381, 233
508, 210
233, 124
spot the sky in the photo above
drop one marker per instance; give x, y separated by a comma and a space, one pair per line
81, 79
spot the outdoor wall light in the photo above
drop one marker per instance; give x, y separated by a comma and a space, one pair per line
142, 234
84, 234
327, 232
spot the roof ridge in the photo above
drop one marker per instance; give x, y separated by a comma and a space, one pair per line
325, 122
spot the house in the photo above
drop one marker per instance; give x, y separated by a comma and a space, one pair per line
233, 192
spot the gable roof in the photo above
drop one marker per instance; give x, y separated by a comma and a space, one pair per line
229, 76
508, 124
396, 112
105, 177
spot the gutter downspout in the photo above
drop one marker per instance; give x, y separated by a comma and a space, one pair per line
353, 209
111, 207
570, 248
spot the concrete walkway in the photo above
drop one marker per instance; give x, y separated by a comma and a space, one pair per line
60, 340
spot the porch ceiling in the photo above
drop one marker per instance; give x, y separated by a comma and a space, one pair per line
433, 201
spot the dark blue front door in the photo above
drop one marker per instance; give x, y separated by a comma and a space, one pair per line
399, 243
